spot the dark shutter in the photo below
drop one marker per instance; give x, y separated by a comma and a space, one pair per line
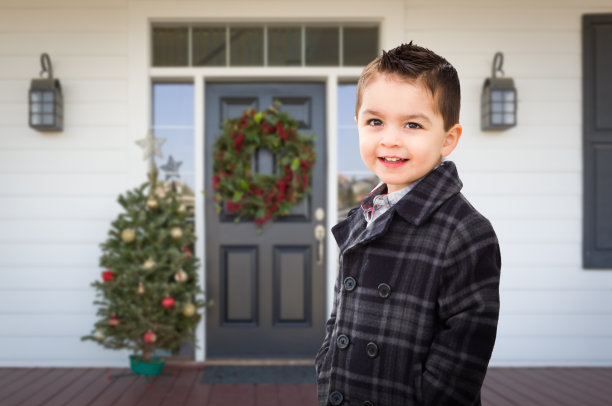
597, 137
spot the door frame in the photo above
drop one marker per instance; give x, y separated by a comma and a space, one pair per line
141, 76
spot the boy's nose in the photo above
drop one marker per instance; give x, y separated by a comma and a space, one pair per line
390, 138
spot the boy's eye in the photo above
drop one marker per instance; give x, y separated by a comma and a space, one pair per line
374, 121
413, 125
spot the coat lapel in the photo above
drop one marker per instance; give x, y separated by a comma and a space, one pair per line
430, 193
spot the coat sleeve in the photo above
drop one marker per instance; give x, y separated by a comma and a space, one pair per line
468, 310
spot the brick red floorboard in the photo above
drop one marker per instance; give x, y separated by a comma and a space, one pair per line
187, 379
43, 383
96, 387
90, 387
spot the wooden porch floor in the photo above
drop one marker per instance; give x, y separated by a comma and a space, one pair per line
90, 386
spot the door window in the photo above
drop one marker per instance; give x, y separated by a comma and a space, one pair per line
173, 119
355, 180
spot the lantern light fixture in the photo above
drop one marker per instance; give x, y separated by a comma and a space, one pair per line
498, 100
46, 111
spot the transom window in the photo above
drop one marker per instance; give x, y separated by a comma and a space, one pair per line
264, 44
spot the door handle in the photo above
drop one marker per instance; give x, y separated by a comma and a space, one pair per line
319, 233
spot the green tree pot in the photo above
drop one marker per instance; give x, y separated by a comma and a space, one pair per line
151, 368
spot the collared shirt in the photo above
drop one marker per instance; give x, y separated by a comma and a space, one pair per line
383, 202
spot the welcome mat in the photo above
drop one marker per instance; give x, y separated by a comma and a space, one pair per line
288, 374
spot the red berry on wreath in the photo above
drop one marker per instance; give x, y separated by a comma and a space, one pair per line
108, 275
168, 302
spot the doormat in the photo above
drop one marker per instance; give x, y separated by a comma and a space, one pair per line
288, 374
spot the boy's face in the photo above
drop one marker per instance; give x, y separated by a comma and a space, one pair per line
401, 136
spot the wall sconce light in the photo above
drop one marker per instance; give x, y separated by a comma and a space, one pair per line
45, 100
498, 100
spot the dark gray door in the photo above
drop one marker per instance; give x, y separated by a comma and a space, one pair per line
597, 118
268, 289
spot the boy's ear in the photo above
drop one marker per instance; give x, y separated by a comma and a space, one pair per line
452, 139
355, 117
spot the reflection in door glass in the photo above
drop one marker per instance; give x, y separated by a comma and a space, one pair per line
355, 180
173, 119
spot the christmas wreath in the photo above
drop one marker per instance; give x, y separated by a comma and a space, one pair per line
247, 194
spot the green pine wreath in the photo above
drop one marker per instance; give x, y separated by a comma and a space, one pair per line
249, 195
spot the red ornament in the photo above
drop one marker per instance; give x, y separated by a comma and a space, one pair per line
187, 252
113, 321
150, 337
108, 276
168, 302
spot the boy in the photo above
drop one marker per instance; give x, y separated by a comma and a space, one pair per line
417, 296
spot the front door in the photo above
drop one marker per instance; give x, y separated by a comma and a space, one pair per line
268, 289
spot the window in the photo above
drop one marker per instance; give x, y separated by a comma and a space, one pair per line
355, 180
264, 44
173, 119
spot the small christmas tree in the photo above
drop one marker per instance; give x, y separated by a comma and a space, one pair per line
148, 296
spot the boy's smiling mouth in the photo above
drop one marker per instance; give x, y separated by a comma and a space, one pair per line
392, 161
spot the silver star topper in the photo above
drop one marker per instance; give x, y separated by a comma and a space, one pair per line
172, 168
151, 145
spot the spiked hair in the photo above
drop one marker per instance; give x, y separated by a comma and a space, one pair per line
417, 64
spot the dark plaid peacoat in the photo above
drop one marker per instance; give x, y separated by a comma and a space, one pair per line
416, 303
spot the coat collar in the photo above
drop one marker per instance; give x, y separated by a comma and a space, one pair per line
430, 193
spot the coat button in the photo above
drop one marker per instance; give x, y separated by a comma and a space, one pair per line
349, 283
342, 341
372, 350
336, 398
384, 290
367, 403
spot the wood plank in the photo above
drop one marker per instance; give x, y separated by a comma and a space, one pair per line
232, 394
136, 390
186, 380
576, 382
494, 392
299, 395
84, 378
97, 386
55, 387
43, 382
12, 374
114, 390
560, 390
538, 394
503, 393
199, 395
19, 379
161, 385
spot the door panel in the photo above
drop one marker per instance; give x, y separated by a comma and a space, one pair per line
269, 288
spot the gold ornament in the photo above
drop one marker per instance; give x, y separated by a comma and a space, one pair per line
141, 289
182, 208
181, 276
99, 335
152, 203
128, 235
189, 310
149, 264
176, 233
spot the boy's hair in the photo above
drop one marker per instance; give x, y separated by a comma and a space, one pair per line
416, 63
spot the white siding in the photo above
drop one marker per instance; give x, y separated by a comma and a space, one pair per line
58, 193
528, 180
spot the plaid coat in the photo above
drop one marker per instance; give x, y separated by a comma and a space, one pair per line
416, 303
